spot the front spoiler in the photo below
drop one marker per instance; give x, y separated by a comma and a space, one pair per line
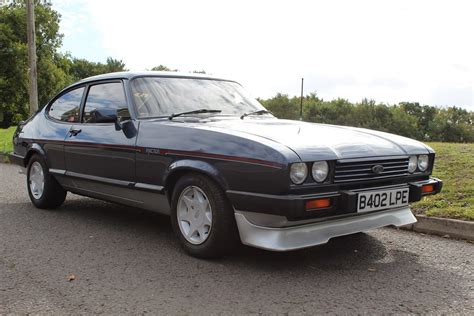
303, 236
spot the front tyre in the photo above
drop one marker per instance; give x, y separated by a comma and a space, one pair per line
43, 189
202, 217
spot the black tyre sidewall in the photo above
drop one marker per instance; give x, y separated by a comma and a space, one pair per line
222, 237
53, 194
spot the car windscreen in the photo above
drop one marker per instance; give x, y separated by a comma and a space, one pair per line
163, 96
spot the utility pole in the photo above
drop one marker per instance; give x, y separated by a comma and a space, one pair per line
32, 72
301, 100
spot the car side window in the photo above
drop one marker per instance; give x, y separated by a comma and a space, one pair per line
66, 107
103, 100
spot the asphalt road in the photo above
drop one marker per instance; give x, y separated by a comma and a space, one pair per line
128, 261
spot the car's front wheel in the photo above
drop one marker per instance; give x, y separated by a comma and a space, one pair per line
43, 189
202, 217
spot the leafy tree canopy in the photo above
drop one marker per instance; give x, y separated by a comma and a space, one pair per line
422, 122
55, 70
163, 68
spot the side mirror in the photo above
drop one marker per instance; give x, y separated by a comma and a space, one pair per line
128, 128
120, 118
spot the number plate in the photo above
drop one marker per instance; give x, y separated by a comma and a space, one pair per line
379, 200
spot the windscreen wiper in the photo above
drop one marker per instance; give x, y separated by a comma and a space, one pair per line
193, 112
259, 112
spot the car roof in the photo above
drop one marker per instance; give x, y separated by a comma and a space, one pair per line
133, 74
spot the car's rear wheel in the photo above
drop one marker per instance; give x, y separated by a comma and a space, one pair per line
43, 189
202, 217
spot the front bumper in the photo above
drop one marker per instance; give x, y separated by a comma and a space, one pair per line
308, 235
343, 202
282, 223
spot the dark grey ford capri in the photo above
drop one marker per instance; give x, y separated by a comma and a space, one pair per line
225, 169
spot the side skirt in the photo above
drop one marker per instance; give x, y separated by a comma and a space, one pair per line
140, 195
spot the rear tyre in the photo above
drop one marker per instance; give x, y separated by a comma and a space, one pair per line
202, 217
43, 189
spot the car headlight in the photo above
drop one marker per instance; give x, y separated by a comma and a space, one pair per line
412, 164
298, 172
320, 171
423, 162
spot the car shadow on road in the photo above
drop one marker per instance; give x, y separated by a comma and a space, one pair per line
360, 251
359, 248
363, 250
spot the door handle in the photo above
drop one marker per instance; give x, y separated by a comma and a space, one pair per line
74, 132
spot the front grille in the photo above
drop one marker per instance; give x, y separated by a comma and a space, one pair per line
361, 170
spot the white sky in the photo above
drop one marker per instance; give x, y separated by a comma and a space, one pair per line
390, 51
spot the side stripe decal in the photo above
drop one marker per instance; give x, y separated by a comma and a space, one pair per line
171, 152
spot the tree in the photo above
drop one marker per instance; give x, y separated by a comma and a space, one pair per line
408, 119
55, 70
282, 107
79, 68
453, 125
163, 68
114, 65
13, 57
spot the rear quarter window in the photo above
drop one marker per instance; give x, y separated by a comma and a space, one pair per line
66, 108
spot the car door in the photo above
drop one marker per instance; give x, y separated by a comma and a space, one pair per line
99, 154
62, 113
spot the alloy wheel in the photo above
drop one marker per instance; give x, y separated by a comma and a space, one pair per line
194, 214
36, 180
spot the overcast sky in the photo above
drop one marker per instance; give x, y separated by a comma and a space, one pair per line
390, 51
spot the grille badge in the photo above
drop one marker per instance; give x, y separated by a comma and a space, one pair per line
377, 169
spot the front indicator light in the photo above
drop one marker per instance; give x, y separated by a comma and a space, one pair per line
427, 188
318, 203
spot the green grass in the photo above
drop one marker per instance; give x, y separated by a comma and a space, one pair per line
6, 135
454, 165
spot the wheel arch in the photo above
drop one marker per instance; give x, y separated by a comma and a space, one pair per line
34, 149
181, 167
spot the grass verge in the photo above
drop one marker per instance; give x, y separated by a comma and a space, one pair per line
454, 165
6, 136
